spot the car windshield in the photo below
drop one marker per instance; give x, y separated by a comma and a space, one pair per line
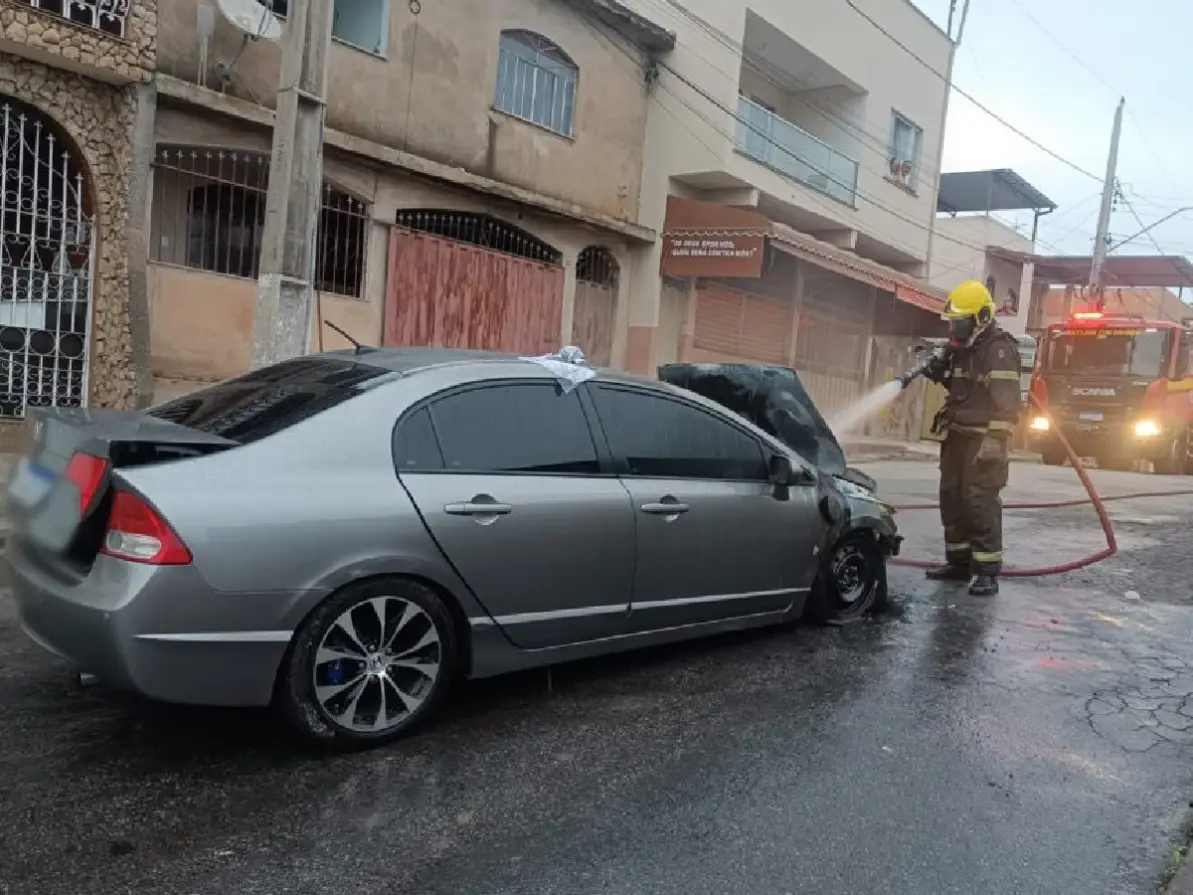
1116, 352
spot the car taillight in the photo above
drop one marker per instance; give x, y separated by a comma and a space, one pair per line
87, 473
138, 533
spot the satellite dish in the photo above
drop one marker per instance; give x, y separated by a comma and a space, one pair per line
251, 17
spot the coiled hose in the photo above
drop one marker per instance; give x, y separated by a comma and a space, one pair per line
1094, 498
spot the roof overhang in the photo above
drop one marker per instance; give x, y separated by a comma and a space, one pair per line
703, 239
629, 24
1142, 271
996, 190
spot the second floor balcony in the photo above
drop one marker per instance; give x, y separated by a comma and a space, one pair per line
108, 40
788, 149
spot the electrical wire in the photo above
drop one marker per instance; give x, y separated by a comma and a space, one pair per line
1030, 139
732, 138
850, 127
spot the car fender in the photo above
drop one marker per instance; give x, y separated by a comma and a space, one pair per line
434, 570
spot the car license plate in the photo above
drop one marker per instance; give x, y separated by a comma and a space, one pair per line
1091, 416
31, 483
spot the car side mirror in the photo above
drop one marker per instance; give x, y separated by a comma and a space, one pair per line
782, 473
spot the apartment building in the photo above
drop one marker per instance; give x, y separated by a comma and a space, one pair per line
792, 159
72, 77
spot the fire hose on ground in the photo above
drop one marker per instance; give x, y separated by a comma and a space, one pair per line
1094, 498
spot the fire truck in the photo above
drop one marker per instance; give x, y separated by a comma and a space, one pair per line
1120, 388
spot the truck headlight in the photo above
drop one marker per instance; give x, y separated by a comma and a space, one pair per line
1039, 424
1146, 429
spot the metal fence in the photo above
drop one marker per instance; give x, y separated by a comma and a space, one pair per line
46, 242
109, 16
209, 214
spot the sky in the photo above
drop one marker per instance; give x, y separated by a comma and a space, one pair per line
1055, 70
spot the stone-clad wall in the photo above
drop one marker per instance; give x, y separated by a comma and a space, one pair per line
47, 35
99, 118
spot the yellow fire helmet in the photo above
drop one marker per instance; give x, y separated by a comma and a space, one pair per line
969, 299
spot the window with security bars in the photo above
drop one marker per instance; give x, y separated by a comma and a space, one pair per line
536, 81
906, 140
209, 214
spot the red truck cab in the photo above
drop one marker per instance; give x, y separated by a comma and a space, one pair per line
1120, 388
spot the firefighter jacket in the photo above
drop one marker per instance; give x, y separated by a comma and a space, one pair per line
984, 385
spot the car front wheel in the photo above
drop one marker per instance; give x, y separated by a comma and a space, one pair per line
852, 582
369, 664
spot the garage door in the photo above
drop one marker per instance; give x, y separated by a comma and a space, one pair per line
735, 326
471, 281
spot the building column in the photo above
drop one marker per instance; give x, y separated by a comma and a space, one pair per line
797, 310
140, 202
568, 307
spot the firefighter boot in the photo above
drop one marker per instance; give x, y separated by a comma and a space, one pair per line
984, 586
949, 572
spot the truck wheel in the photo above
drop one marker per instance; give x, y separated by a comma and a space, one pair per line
1054, 455
1176, 460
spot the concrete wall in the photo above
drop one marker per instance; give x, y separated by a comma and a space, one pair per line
431, 89
959, 249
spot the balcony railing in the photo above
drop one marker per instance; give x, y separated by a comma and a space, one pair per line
108, 16
777, 143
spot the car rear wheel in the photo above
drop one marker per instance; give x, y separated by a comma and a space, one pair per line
369, 665
851, 584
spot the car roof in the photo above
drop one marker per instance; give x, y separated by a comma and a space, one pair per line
411, 360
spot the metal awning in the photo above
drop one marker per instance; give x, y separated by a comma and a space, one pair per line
1143, 271
738, 227
996, 190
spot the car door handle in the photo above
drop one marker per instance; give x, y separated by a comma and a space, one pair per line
477, 509
665, 509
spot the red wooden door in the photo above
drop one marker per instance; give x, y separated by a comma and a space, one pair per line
450, 294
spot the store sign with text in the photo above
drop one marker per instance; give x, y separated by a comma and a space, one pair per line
713, 254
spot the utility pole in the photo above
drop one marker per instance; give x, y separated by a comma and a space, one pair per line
1097, 283
288, 242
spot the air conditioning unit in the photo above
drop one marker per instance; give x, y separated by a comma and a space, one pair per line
901, 170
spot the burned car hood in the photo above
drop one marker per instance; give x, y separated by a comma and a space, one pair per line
773, 399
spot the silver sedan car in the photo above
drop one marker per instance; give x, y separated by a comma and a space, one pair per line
342, 535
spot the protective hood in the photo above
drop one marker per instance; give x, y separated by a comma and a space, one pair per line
772, 398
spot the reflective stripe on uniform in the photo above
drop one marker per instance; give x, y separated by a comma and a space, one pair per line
972, 430
979, 557
1005, 374
956, 548
1000, 426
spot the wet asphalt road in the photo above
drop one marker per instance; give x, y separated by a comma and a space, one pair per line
1036, 743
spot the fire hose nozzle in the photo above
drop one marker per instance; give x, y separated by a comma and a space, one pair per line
935, 357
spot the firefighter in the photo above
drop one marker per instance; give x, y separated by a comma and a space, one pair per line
981, 370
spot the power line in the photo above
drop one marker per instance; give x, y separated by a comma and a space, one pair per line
1032, 140
715, 126
834, 113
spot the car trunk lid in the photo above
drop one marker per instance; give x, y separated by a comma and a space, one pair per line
51, 509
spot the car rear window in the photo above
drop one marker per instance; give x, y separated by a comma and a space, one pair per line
267, 401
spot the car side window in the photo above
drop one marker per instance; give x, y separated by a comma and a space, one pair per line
528, 428
416, 449
661, 438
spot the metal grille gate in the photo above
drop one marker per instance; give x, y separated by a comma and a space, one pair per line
46, 252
